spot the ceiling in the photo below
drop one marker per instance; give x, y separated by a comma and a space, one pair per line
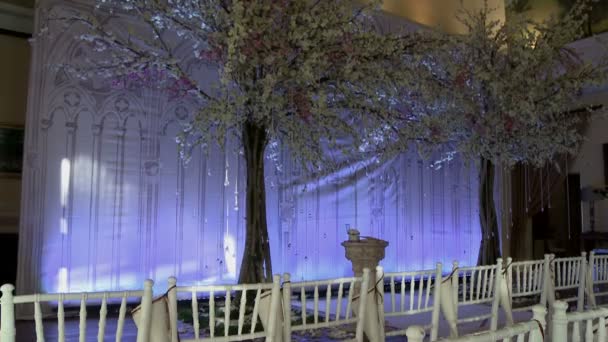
441, 12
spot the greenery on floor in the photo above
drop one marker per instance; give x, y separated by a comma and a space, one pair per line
184, 314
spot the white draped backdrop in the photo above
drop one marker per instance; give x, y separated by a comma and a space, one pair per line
108, 203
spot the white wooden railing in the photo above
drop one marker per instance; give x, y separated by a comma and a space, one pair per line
351, 297
333, 302
478, 285
566, 327
265, 298
528, 279
548, 277
8, 302
531, 331
423, 296
569, 274
597, 278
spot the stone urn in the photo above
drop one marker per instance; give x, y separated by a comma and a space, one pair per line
366, 252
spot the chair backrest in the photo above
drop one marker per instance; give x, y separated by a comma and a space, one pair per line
526, 280
477, 285
333, 303
597, 277
8, 302
411, 293
531, 331
569, 274
254, 304
588, 326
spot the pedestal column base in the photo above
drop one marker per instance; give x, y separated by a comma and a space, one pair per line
367, 253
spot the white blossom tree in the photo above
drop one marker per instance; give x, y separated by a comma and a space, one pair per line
319, 76
312, 75
515, 84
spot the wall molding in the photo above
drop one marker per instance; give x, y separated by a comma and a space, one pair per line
16, 20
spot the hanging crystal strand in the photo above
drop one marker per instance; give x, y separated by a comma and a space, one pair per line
501, 196
507, 205
226, 171
510, 187
507, 199
421, 203
568, 199
502, 200
487, 193
443, 180
526, 188
482, 209
542, 196
236, 185
548, 189
455, 204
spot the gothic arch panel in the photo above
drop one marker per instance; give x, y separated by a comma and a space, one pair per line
214, 220
129, 202
168, 232
106, 224
55, 182
191, 212
82, 192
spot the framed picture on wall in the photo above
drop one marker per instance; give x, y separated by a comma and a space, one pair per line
11, 150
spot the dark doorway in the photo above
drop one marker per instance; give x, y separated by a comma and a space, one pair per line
8, 251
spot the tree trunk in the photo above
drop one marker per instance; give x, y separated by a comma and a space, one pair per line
255, 266
489, 249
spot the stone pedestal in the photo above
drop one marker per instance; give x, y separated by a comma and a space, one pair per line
367, 253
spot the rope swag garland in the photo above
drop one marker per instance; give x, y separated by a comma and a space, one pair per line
451, 275
540, 327
375, 290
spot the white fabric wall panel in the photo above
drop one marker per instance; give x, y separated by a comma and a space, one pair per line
166, 240
53, 260
107, 201
107, 220
81, 173
128, 211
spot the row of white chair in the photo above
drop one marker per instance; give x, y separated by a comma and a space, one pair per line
260, 313
588, 326
333, 301
597, 278
8, 303
531, 331
499, 285
419, 292
573, 279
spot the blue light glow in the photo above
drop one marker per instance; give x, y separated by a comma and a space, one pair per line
116, 213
